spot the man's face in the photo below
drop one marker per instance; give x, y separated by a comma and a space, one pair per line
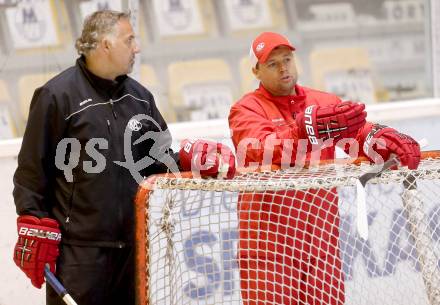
123, 48
278, 74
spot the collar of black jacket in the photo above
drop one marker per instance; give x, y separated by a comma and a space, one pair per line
104, 86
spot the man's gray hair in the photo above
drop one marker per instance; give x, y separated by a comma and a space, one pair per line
97, 25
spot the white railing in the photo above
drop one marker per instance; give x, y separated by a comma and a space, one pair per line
219, 129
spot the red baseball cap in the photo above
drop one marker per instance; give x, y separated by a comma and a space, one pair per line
264, 44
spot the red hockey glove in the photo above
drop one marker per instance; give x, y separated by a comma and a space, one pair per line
338, 121
37, 246
209, 158
393, 142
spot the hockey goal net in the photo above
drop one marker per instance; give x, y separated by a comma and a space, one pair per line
188, 234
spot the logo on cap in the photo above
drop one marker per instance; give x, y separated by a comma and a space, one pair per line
259, 47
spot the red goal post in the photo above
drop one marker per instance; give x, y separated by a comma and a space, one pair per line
421, 238
141, 235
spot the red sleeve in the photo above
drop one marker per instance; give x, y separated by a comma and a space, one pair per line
252, 130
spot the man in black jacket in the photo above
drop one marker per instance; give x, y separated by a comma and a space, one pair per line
92, 134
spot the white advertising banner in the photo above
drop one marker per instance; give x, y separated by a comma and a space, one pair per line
354, 85
31, 24
243, 15
207, 101
88, 7
8, 2
178, 17
404, 11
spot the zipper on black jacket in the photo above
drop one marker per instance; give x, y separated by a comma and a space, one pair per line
70, 207
119, 188
108, 126
113, 109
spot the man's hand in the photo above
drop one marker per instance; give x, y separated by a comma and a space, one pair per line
338, 121
37, 246
209, 158
386, 141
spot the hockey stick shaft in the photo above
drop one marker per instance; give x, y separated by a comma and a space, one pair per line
58, 287
374, 173
388, 164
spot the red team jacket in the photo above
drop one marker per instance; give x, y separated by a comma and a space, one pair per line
282, 224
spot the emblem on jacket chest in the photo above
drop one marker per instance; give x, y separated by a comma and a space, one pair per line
134, 125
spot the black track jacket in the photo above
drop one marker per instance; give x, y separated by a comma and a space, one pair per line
94, 208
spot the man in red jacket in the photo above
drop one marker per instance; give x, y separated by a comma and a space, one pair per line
288, 240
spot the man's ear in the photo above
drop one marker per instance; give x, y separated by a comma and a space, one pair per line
256, 71
106, 44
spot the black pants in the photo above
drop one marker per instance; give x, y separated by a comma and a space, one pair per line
95, 276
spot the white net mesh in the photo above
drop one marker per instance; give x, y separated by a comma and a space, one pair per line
289, 237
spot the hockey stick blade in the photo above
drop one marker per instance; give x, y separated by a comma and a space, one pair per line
361, 213
376, 171
58, 287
